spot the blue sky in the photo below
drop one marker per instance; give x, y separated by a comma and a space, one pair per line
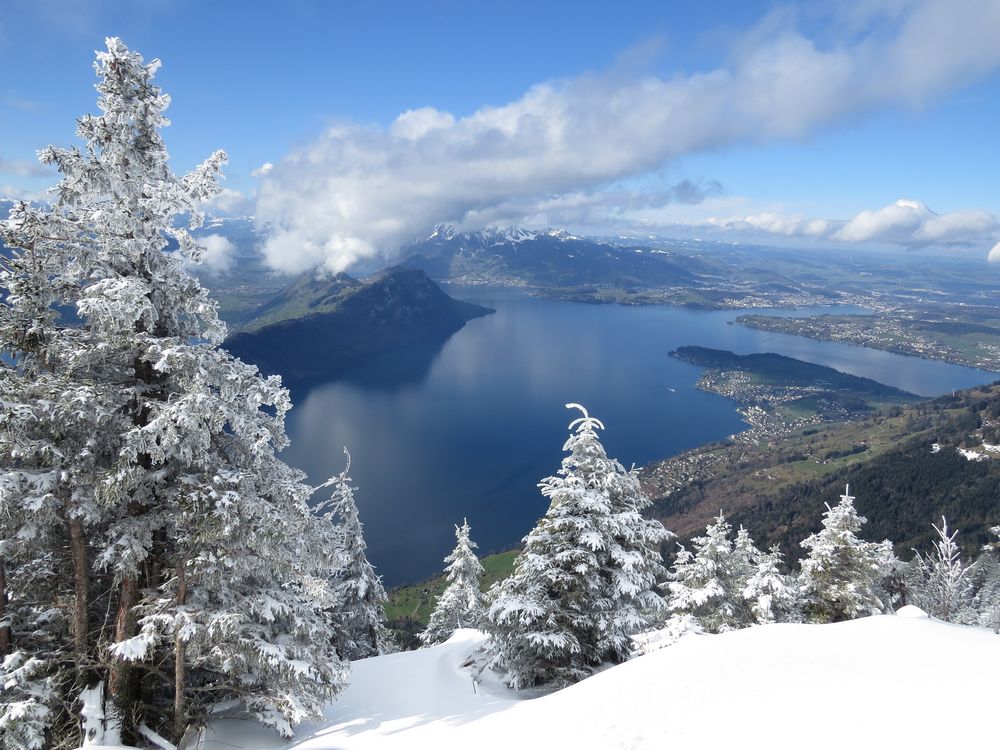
906, 105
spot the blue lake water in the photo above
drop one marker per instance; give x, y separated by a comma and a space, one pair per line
466, 430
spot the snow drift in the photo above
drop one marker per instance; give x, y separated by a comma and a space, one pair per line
889, 681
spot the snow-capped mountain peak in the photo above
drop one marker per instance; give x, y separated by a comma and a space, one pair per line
443, 232
488, 236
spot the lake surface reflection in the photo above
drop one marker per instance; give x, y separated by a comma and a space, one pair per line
466, 430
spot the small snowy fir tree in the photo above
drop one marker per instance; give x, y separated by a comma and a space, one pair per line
585, 578
840, 578
462, 604
771, 595
727, 585
153, 545
983, 578
706, 582
939, 582
357, 590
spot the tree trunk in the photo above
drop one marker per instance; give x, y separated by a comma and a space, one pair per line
122, 681
4, 630
153, 579
81, 625
180, 650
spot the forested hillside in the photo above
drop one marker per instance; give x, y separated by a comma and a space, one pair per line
904, 466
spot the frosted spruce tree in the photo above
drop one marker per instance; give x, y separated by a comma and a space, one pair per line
358, 593
771, 594
987, 598
982, 604
138, 477
706, 582
939, 582
840, 578
585, 578
462, 603
727, 584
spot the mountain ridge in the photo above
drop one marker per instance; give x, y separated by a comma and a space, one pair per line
906, 466
317, 328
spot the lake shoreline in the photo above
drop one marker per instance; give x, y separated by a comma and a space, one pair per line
467, 430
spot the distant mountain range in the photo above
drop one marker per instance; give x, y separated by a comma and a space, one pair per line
628, 270
320, 327
551, 258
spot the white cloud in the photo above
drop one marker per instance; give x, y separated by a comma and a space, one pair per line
905, 223
17, 102
794, 225
17, 192
360, 190
262, 170
218, 255
230, 203
415, 124
897, 223
994, 254
958, 227
589, 210
23, 168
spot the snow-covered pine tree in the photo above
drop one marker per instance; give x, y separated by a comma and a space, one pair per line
633, 559
585, 576
983, 578
708, 583
771, 595
699, 579
357, 591
462, 603
840, 578
727, 585
939, 582
138, 455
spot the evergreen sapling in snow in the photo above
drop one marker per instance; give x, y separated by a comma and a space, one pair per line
584, 581
462, 603
706, 582
983, 578
841, 577
728, 584
939, 583
771, 594
358, 592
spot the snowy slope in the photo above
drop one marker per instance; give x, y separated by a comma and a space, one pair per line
876, 682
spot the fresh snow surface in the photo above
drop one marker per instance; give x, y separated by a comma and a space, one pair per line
971, 455
912, 612
904, 681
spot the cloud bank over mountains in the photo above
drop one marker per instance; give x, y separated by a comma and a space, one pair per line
905, 223
558, 153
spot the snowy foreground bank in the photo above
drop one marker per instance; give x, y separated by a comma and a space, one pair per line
887, 681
